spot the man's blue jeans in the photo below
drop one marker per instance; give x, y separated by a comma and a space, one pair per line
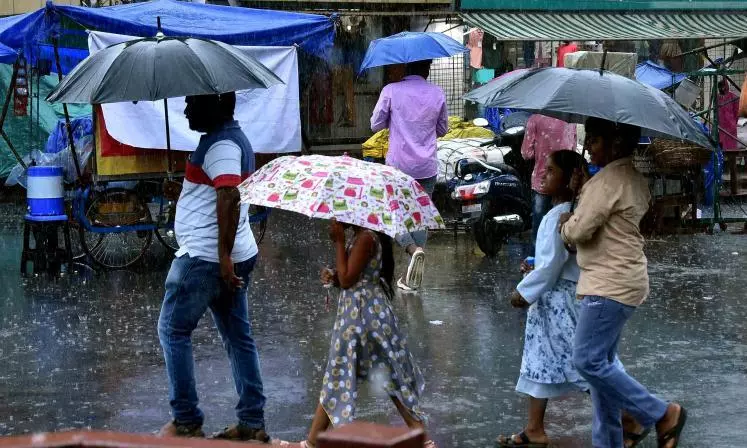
193, 286
600, 324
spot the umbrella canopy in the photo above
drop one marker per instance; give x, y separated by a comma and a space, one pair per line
575, 95
157, 68
410, 47
364, 194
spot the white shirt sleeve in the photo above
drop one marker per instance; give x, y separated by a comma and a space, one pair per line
222, 164
549, 258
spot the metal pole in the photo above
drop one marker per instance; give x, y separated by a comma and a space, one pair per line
11, 87
715, 138
64, 109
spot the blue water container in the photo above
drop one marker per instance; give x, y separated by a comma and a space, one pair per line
45, 195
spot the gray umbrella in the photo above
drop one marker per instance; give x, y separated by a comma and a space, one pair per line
161, 67
575, 95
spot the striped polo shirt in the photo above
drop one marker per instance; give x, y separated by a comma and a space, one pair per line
222, 159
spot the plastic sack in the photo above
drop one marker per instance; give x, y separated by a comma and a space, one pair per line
58, 138
377, 146
713, 178
64, 158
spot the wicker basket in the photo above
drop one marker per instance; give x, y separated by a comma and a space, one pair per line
643, 162
672, 155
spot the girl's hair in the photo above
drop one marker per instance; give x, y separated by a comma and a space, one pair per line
569, 161
387, 260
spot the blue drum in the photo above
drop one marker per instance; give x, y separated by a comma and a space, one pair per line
45, 195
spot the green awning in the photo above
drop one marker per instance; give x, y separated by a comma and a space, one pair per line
538, 26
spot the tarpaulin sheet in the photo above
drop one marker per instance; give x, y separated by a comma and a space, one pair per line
116, 159
657, 76
232, 25
7, 55
271, 118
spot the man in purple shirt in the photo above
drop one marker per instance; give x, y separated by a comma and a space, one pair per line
414, 110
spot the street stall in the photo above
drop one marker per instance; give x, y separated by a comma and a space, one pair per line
118, 202
671, 36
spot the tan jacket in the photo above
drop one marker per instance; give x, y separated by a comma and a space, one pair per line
605, 230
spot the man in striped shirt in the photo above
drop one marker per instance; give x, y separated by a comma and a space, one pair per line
211, 269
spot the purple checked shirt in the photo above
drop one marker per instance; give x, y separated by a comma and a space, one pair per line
414, 110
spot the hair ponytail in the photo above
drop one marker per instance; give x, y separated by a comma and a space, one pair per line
387, 260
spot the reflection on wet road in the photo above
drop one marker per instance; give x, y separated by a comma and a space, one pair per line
82, 351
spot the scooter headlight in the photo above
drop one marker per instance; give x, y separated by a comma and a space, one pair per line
482, 188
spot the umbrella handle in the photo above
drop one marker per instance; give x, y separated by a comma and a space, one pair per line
575, 194
169, 170
604, 62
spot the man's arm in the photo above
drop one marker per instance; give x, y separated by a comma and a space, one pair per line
223, 166
527, 145
380, 115
228, 210
442, 127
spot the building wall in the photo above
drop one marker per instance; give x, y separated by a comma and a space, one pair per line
12, 7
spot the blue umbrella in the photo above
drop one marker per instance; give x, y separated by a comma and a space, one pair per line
7, 54
410, 47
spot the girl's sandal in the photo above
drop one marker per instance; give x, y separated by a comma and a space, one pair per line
304, 444
509, 442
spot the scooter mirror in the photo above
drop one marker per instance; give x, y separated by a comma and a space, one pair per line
514, 130
481, 122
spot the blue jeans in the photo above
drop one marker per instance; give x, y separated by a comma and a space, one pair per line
541, 204
419, 237
193, 286
600, 324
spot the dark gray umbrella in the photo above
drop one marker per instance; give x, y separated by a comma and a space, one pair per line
575, 95
161, 67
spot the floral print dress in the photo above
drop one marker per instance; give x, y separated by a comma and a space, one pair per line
547, 369
367, 339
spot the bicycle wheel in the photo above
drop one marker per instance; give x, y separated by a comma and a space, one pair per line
163, 213
121, 209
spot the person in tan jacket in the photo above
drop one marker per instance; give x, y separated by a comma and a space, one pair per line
614, 281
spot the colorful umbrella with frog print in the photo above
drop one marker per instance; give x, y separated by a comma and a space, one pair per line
364, 194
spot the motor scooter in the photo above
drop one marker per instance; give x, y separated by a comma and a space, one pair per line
494, 198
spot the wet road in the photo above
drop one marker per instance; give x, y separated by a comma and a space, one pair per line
83, 351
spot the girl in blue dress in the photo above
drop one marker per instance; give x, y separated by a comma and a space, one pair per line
549, 291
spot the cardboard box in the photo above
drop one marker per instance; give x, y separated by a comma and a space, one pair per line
622, 64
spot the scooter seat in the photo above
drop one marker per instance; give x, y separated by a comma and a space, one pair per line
473, 166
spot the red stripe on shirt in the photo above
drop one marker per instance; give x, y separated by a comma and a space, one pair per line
227, 180
195, 174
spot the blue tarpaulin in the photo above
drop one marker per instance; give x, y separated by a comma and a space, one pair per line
7, 55
232, 25
657, 76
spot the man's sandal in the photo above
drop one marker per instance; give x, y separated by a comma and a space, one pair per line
635, 438
673, 434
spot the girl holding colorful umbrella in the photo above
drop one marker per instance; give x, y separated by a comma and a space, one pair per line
375, 202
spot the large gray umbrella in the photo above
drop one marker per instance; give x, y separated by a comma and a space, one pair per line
159, 68
575, 95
